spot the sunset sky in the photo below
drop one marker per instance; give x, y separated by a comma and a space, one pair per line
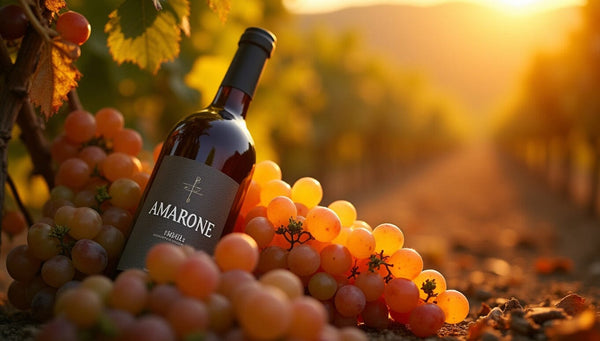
516, 6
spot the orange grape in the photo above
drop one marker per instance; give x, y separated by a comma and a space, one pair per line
80, 126
322, 223
261, 230
349, 300
279, 211
81, 306
198, 276
93, 156
118, 165
272, 257
303, 260
272, 320
345, 211
454, 305
363, 224
371, 284
401, 295
309, 317
388, 238
336, 259
430, 274
73, 173
361, 243
13, 222
109, 121
408, 263
127, 141
265, 171
307, 191
285, 280
236, 251
426, 320
63, 149
188, 316
272, 189
163, 261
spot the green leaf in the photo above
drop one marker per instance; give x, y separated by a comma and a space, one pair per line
141, 34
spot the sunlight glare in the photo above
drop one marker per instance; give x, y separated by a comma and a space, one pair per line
521, 5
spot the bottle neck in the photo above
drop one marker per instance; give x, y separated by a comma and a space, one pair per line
234, 101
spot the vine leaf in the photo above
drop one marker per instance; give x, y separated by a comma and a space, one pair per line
141, 34
221, 7
55, 5
54, 76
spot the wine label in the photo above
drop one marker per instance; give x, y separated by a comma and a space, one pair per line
187, 204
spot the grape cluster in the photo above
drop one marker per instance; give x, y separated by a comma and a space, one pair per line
361, 274
188, 294
89, 213
71, 26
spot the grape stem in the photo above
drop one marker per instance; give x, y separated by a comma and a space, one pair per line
17, 197
375, 263
428, 287
294, 232
33, 20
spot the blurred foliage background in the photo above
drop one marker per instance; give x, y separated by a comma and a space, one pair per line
330, 108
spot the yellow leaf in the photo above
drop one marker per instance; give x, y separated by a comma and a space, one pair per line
54, 5
221, 7
54, 76
140, 34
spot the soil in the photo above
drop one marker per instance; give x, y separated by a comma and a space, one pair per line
527, 258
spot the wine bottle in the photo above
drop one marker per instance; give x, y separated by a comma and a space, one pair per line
201, 176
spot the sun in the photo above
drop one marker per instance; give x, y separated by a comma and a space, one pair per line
520, 6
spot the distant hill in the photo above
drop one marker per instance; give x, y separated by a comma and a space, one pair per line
473, 52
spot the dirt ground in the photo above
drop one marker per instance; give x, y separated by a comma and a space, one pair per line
527, 259
495, 231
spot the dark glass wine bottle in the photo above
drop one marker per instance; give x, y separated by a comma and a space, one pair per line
203, 171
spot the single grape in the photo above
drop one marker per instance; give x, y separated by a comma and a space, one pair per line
322, 286
85, 223
17, 295
125, 193
280, 209
42, 304
336, 259
272, 189
198, 276
130, 292
79, 125
273, 318
220, 313
119, 218
454, 305
426, 320
371, 284
401, 295
265, 171
57, 271
62, 192
285, 280
89, 257
322, 223
163, 261
118, 165
13, 222
261, 230
13, 22
303, 260
309, 317
99, 284
349, 300
63, 149
236, 251
361, 243
109, 121
345, 210
73, 173
375, 315
41, 244
431, 275
85, 198
161, 297
112, 240
93, 156
408, 263
388, 238
271, 257
307, 191
74, 27
231, 280
21, 265
81, 305
188, 316
128, 141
